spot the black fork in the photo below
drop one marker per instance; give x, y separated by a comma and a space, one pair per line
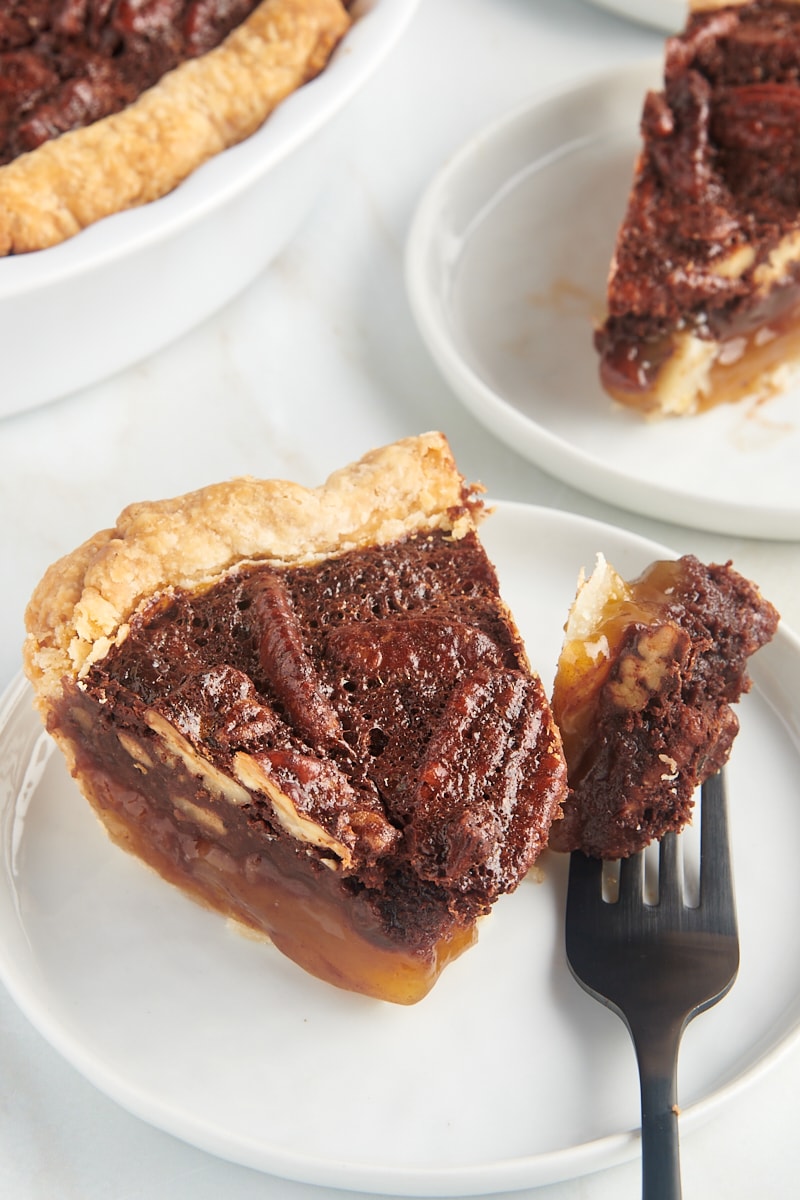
658, 965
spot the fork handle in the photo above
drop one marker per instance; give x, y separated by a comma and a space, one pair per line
657, 1055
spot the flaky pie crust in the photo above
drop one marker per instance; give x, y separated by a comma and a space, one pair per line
202, 107
80, 608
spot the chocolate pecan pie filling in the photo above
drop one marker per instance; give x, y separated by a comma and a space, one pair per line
66, 63
643, 697
704, 288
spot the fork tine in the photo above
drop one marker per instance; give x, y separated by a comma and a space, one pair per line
670, 873
584, 874
631, 881
716, 872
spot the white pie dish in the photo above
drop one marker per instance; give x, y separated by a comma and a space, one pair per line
130, 284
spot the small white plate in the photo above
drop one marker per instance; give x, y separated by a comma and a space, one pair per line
669, 15
506, 1076
506, 263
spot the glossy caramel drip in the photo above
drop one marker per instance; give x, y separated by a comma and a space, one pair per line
748, 364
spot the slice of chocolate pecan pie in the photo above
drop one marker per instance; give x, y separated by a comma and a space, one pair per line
310, 709
704, 287
643, 693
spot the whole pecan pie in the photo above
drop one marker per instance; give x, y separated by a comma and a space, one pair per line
109, 104
309, 708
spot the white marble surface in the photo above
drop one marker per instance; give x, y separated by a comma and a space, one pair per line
315, 363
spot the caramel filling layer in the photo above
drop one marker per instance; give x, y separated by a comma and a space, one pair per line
743, 363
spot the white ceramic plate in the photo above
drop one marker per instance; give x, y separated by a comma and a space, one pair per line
507, 259
669, 15
130, 284
506, 1076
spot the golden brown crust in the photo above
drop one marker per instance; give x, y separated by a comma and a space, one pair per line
202, 107
81, 605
